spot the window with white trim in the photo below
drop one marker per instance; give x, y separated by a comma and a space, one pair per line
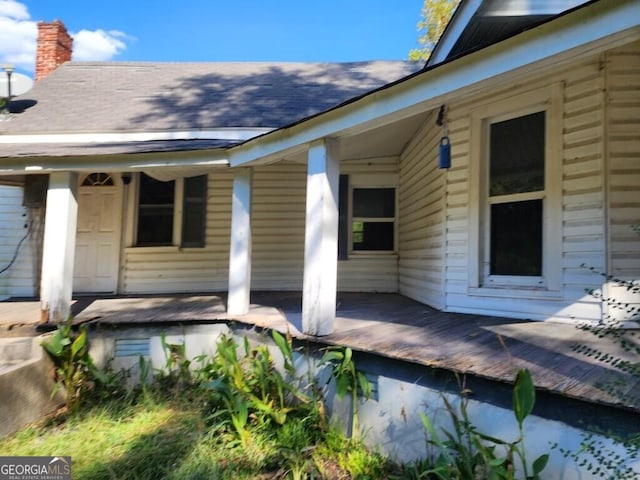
516, 205
373, 219
515, 199
367, 218
160, 202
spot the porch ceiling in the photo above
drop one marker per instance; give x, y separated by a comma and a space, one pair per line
383, 141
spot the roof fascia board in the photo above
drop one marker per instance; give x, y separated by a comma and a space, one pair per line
233, 133
115, 163
502, 8
595, 27
461, 18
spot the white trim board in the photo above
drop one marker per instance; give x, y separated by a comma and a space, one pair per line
133, 162
233, 133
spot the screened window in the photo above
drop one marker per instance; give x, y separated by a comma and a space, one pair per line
155, 212
516, 196
373, 219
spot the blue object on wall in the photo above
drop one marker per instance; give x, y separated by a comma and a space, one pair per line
445, 152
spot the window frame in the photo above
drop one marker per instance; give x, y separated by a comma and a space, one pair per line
488, 200
364, 220
165, 206
369, 181
178, 216
480, 281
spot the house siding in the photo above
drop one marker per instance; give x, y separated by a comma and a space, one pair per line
586, 133
364, 272
623, 150
278, 225
421, 226
623, 174
173, 269
19, 279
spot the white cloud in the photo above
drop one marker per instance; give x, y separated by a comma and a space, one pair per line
98, 44
13, 9
19, 34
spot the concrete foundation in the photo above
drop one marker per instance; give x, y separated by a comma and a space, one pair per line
390, 421
26, 383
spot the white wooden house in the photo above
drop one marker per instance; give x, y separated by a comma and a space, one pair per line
326, 178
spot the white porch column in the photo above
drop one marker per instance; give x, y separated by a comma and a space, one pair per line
59, 247
321, 239
240, 250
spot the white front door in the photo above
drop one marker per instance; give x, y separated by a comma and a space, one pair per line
98, 237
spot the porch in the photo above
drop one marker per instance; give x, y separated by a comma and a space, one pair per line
389, 326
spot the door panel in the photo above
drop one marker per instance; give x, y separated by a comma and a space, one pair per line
98, 240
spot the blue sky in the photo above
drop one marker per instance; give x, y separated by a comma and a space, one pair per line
215, 30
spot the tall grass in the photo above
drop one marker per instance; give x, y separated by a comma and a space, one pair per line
235, 417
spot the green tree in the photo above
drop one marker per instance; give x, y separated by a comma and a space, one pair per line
434, 18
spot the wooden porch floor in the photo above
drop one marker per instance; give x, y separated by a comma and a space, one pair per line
391, 326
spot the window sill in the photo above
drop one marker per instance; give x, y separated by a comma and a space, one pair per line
371, 254
515, 292
154, 249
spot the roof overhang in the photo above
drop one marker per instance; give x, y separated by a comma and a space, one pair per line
461, 18
587, 30
104, 150
133, 162
481, 15
228, 134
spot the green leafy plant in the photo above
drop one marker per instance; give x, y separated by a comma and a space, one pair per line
349, 380
175, 373
242, 413
249, 387
74, 369
467, 453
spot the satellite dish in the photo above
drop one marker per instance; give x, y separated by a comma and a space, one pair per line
19, 84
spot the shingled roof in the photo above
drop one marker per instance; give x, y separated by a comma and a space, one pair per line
122, 97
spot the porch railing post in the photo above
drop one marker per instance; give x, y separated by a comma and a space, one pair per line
59, 247
321, 238
240, 250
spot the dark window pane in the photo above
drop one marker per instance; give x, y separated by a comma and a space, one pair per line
194, 211
517, 155
155, 225
155, 192
516, 238
372, 235
374, 202
155, 212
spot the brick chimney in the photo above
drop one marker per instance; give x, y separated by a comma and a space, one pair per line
55, 46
